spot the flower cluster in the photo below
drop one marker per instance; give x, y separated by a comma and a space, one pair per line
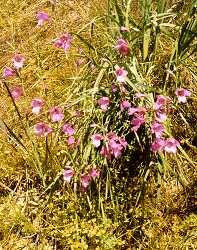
112, 145
85, 179
160, 143
64, 42
122, 47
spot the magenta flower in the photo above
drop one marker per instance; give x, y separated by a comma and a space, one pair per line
124, 105
158, 145
171, 145
161, 101
104, 103
56, 114
121, 74
68, 129
18, 61
123, 47
17, 92
85, 181
94, 173
96, 140
42, 129
68, 174
137, 121
64, 42
42, 17
182, 94
136, 111
161, 115
71, 140
8, 72
157, 129
105, 152
37, 105
113, 88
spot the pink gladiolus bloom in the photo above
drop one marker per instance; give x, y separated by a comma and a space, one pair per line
8, 72
17, 92
96, 140
68, 129
137, 111
37, 105
161, 101
124, 29
137, 122
161, 115
171, 145
42, 129
94, 173
105, 152
104, 103
124, 105
121, 74
157, 129
18, 61
158, 145
42, 17
71, 140
113, 88
123, 47
56, 114
64, 42
68, 174
85, 181
182, 94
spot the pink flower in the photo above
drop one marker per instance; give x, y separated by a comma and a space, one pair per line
104, 103
64, 42
85, 181
71, 140
8, 72
137, 110
68, 129
17, 92
121, 74
182, 94
124, 105
68, 174
42, 129
36, 105
96, 140
171, 145
42, 17
124, 29
161, 115
56, 114
157, 129
79, 62
113, 88
161, 101
94, 173
18, 61
123, 47
105, 152
158, 145
137, 121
